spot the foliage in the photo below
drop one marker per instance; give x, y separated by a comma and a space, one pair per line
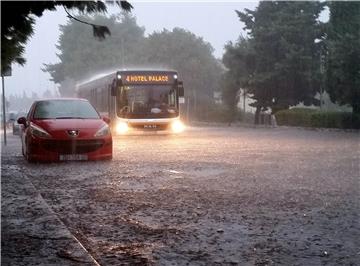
230, 95
217, 113
295, 117
343, 57
239, 61
305, 117
286, 66
345, 120
191, 56
18, 19
82, 56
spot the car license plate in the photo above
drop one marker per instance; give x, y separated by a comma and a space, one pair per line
73, 157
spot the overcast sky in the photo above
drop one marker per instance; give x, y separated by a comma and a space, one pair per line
217, 23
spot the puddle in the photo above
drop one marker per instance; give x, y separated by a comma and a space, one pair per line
206, 172
174, 172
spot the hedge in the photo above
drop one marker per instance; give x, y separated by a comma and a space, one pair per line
305, 117
300, 117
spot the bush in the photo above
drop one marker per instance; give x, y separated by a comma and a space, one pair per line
222, 114
214, 113
327, 119
247, 117
295, 117
315, 118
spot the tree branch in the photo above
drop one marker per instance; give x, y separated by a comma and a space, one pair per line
99, 31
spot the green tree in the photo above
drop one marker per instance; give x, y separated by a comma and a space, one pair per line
18, 20
343, 54
192, 57
282, 35
82, 56
239, 59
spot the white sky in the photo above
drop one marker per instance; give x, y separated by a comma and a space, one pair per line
216, 22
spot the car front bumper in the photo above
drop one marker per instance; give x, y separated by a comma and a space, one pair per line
51, 150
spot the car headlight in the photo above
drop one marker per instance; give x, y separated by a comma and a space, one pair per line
38, 131
177, 126
102, 132
122, 128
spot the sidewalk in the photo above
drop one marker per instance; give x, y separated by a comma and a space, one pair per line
31, 233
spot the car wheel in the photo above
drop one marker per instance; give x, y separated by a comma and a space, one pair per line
22, 151
29, 158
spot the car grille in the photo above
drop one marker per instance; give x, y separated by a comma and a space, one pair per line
72, 146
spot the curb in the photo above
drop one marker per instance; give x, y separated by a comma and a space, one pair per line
31, 233
217, 124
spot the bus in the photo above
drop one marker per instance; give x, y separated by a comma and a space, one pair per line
137, 100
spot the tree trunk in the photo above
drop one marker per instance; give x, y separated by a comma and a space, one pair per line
356, 108
257, 115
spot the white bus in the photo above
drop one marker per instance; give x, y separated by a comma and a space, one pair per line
137, 100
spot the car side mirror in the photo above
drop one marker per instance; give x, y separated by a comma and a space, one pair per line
22, 121
106, 119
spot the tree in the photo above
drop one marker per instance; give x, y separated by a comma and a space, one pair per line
82, 56
18, 19
343, 54
239, 60
282, 35
192, 57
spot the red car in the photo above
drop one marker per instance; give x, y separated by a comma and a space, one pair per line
65, 129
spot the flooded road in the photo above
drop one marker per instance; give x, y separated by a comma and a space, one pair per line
211, 196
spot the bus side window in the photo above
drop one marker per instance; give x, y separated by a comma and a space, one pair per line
108, 94
114, 88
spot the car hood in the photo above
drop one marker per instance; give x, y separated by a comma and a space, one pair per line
59, 127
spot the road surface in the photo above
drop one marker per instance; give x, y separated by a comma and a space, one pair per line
211, 196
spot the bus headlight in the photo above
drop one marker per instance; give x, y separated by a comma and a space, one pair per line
122, 128
177, 126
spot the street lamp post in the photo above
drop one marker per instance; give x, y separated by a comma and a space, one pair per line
3, 105
318, 41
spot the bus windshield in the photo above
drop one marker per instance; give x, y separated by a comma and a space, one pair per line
147, 101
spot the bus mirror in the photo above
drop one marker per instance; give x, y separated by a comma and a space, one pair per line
180, 89
114, 87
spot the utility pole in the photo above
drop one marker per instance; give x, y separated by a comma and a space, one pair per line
244, 95
3, 105
321, 81
4, 72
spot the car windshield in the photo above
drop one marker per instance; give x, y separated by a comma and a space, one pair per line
65, 109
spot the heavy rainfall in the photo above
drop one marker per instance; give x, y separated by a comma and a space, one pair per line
163, 133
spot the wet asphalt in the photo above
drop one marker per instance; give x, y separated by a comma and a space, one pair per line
209, 196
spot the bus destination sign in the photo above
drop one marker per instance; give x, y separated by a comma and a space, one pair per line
147, 78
